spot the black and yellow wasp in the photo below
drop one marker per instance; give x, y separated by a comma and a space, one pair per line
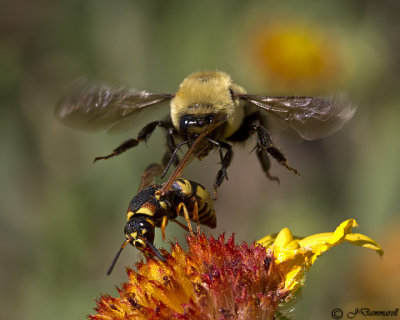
155, 205
199, 99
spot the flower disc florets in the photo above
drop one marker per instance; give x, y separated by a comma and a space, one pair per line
214, 279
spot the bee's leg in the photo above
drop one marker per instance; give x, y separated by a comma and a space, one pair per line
128, 144
226, 160
143, 135
247, 127
170, 155
265, 164
164, 223
173, 155
264, 143
180, 207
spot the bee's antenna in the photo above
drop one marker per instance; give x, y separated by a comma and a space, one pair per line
171, 159
155, 250
110, 269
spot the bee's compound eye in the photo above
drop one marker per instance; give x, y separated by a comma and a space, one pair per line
209, 117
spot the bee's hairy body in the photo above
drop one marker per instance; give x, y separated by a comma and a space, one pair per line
200, 99
208, 93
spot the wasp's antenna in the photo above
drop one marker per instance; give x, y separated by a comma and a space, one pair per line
110, 269
155, 250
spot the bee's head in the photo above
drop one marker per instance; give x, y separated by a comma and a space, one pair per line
200, 97
194, 123
140, 232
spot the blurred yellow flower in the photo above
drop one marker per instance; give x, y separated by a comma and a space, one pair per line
297, 54
295, 256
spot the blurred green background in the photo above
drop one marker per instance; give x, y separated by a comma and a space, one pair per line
62, 217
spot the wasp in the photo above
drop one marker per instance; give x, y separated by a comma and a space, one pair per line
200, 98
155, 205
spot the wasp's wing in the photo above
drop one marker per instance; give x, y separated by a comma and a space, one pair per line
311, 117
152, 171
97, 107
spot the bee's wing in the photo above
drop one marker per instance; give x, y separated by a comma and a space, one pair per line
97, 107
311, 117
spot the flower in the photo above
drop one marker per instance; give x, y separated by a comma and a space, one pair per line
295, 256
219, 279
214, 279
297, 54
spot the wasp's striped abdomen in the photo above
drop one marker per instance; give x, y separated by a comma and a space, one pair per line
189, 192
152, 206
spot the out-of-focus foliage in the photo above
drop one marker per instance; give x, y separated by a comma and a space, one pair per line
62, 217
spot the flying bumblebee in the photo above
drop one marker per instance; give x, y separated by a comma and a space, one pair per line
157, 204
200, 98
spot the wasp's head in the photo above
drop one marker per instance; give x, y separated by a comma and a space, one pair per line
140, 231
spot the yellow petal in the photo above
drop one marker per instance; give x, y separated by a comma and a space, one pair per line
283, 238
330, 237
295, 256
319, 243
267, 240
361, 240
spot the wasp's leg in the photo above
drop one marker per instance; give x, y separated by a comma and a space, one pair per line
164, 223
264, 143
181, 225
143, 135
182, 207
196, 214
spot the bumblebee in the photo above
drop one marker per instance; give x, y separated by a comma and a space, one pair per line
200, 98
157, 204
